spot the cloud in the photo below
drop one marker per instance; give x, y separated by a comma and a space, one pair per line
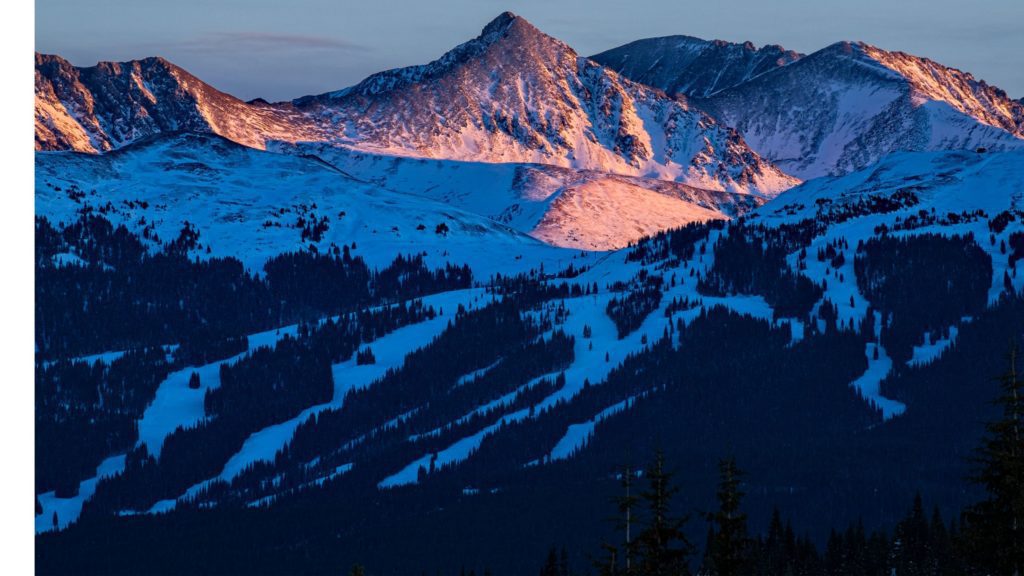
266, 41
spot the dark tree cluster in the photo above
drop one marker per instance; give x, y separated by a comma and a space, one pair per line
271, 384
313, 228
752, 260
834, 252
628, 312
925, 218
994, 527
653, 541
1000, 221
88, 411
1016, 249
676, 244
365, 356
203, 346
922, 284
530, 289
678, 304
124, 296
408, 277
919, 545
829, 212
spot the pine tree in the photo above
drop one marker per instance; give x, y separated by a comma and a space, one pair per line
626, 505
994, 527
730, 548
551, 564
834, 561
774, 558
663, 549
609, 565
911, 542
614, 555
939, 545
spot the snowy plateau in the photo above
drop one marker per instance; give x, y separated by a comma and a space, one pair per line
495, 277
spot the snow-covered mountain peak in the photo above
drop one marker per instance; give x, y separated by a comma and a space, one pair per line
515, 94
106, 106
508, 33
844, 107
694, 66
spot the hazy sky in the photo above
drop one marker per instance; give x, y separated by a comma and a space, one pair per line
282, 49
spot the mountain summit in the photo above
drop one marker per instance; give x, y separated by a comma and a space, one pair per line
847, 105
515, 94
692, 66
106, 106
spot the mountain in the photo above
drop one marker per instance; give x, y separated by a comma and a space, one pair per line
514, 94
692, 66
848, 105
106, 106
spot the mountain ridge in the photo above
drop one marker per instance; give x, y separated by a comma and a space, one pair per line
847, 105
693, 66
515, 94
547, 105
98, 108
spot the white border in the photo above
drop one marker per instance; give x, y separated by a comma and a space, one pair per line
17, 438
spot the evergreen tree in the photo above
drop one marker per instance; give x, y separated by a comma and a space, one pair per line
772, 549
609, 565
551, 567
614, 554
626, 505
729, 553
994, 527
663, 549
911, 543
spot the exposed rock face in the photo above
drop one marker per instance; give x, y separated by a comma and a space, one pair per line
692, 66
846, 106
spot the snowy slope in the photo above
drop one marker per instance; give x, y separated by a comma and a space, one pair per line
848, 105
566, 207
692, 66
246, 203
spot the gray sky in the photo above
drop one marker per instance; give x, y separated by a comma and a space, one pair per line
282, 49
